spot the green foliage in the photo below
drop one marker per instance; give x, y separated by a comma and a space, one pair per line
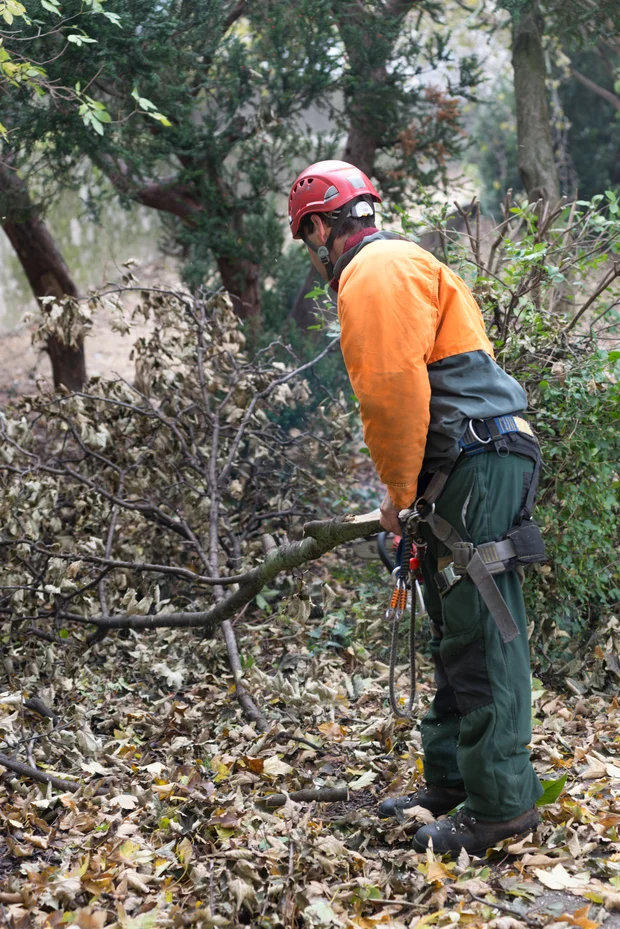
224, 103
23, 54
290, 269
549, 293
577, 412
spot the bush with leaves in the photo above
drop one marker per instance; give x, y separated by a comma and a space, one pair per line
134, 506
547, 282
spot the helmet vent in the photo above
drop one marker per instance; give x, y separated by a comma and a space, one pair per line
330, 193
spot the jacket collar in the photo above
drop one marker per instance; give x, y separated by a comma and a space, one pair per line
353, 245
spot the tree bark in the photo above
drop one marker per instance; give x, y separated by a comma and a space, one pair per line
241, 278
535, 161
45, 268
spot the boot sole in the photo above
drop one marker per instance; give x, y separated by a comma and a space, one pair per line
478, 853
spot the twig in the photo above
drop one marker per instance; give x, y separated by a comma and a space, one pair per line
287, 737
308, 795
41, 776
607, 280
504, 909
37, 706
321, 537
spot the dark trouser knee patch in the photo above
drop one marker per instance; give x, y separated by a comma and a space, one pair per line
445, 700
468, 676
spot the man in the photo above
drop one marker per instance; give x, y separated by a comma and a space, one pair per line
433, 402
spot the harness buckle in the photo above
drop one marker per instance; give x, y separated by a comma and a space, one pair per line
447, 578
462, 554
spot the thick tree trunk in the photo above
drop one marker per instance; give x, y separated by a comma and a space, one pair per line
362, 140
45, 268
535, 160
241, 278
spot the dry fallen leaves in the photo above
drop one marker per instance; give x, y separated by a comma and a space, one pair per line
179, 832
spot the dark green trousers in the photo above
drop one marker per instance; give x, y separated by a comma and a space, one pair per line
479, 725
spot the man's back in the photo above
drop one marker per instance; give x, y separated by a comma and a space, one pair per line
419, 359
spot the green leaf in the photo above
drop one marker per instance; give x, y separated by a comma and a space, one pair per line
161, 119
63, 633
113, 17
552, 789
261, 603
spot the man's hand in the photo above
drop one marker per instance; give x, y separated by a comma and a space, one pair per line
389, 516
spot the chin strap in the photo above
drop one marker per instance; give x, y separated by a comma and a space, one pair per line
324, 250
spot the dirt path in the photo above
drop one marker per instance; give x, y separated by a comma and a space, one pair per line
107, 351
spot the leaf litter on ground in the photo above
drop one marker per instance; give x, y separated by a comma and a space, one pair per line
178, 838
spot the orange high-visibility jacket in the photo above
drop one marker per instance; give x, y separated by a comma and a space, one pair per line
401, 310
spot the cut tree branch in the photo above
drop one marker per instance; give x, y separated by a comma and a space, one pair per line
321, 537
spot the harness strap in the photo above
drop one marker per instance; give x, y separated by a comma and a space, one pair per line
522, 544
435, 487
491, 594
496, 556
442, 530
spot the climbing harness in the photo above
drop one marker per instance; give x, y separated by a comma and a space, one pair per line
407, 576
521, 545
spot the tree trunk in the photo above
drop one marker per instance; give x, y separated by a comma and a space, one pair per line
45, 268
362, 140
241, 278
535, 159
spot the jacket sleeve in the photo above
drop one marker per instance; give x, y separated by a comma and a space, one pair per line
387, 318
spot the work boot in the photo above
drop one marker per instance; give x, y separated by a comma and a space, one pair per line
462, 830
438, 800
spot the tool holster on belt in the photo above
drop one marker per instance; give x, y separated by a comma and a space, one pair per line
521, 545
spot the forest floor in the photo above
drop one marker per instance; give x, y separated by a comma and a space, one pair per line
178, 836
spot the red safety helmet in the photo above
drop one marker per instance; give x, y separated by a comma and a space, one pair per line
326, 187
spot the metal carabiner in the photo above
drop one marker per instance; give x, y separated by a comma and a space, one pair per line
421, 505
476, 436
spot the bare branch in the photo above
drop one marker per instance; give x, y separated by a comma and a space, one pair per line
606, 95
